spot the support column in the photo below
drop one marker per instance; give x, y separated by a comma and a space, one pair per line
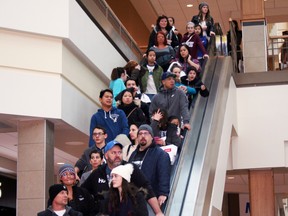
35, 165
254, 36
262, 198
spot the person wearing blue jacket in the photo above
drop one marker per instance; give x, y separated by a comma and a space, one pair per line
153, 162
112, 119
176, 69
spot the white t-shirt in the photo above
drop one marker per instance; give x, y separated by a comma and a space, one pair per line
203, 23
151, 88
60, 212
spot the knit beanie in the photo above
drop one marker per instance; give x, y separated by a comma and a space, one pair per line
125, 171
54, 190
66, 168
202, 5
146, 127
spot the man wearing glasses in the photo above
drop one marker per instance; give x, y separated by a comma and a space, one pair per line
114, 120
83, 164
98, 181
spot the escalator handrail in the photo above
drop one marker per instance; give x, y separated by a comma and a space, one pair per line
190, 191
186, 157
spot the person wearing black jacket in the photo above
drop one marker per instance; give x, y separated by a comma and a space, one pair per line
133, 112
204, 19
162, 24
193, 80
58, 198
153, 162
98, 181
78, 198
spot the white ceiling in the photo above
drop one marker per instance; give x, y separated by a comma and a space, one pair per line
69, 143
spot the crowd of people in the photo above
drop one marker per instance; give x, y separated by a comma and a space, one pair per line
147, 104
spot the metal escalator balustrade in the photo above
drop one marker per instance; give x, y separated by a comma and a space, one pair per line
193, 182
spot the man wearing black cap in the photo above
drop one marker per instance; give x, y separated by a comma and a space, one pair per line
58, 199
172, 99
98, 181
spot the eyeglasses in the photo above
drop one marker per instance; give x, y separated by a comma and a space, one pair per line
98, 134
143, 133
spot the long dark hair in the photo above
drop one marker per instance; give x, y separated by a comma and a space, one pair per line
201, 33
117, 72
236, 27
168, 27
128, 191
208, 16
181, 59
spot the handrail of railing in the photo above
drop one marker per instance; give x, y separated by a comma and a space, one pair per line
122, 29
186, 158
191, 190
279, 44
105, 19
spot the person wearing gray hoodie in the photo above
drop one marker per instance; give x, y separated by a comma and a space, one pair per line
171, 99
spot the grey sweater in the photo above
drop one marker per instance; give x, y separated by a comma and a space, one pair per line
174, 101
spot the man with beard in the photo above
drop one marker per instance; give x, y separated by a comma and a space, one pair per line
153, 162
98, 181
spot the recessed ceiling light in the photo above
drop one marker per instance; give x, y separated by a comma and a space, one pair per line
60, 163
230, 177
189, 5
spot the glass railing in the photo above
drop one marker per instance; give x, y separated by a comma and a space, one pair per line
277, 53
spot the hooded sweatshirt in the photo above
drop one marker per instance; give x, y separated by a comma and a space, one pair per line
114, 121
174, 101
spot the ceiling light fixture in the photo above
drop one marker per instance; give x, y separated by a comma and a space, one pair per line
230, 177
189, 5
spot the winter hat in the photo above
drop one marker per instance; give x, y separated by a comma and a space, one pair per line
202, 5
111, 144
123, 139
146, 127
54, 190
66, 168
125, 171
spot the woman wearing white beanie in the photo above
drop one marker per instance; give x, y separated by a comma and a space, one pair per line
125, 198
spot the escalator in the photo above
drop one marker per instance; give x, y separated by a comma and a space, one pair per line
192, 183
